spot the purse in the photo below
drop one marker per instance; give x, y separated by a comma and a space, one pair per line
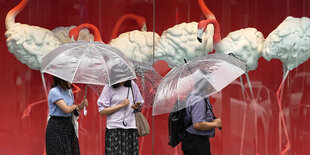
142, 124
75, 123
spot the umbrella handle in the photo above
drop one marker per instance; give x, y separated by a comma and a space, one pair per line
85, 95
215, 118
84, 111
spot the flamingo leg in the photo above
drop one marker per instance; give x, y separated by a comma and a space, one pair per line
76, 89
81, 129
245, 95
27, 111
279, 100
280, 123
255, 112
46, 96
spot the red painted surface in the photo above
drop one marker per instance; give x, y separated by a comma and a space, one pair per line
21, 86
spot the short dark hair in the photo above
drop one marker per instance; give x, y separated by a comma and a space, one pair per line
60, 82
126, 84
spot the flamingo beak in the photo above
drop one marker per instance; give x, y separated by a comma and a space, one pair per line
199, 39
199, 34
144, 28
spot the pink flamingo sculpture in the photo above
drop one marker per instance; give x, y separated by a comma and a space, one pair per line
62, 34
179, 42
205, 10
136, 45
139, 43
139, 19
28, 43
289, 42
246, 44
74, 33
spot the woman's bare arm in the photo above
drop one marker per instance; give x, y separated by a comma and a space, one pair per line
110, 110
64, 107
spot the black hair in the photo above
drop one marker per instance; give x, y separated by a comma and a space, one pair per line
126, 84
60, 82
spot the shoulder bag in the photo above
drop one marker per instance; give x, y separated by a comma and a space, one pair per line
141, 122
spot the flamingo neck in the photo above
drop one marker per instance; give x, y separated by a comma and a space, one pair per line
217, 32
10, 17
139, 19
205, 10
93, 29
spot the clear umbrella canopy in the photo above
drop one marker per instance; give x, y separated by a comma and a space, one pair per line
147, 80
203, 76
88, 63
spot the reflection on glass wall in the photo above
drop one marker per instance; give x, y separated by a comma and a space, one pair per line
264, 111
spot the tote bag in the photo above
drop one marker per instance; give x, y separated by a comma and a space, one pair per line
141, 123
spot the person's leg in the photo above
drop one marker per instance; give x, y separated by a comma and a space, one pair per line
130, 143
204, 144
60, 137
188, 145
108, 140
195, 145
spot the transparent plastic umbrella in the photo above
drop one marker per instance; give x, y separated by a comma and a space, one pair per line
203, 76
147, 80
88, 63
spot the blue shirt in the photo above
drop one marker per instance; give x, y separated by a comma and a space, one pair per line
198, 113
55, 95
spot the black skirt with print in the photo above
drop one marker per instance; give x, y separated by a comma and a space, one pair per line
60, 138
121, 142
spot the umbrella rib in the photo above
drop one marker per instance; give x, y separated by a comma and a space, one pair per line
132, 71
104, 64
178, 81
79, 64
48, 55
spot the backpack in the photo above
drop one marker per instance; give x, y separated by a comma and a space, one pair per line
176, 125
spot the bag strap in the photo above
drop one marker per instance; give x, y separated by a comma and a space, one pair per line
209, 107
133, 97
189, 122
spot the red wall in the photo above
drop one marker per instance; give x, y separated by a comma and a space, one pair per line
21, 86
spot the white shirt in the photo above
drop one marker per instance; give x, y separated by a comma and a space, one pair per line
112, 96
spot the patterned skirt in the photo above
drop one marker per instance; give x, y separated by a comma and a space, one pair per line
121, 142
60, 137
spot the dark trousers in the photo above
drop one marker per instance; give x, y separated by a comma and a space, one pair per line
195, 145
